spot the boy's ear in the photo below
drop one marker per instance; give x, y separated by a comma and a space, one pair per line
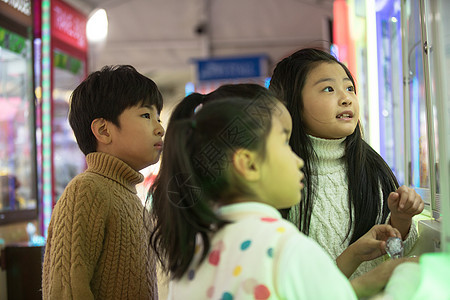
246, 163
100, 130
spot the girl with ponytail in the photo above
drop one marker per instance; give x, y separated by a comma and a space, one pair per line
226, 170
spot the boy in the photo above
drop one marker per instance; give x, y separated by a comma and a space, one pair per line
97, 244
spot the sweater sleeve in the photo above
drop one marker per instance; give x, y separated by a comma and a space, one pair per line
411, 238
305, 271
408, 243
75, 239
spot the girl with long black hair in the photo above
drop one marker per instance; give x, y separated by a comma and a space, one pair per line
349, 187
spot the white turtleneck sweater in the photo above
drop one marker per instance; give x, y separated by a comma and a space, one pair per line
331, 215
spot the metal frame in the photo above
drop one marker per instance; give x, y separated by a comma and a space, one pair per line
427, 49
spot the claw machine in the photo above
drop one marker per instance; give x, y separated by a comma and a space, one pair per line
62, 48
17, 144
18, 189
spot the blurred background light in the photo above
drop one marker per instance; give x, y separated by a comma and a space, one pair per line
97, 26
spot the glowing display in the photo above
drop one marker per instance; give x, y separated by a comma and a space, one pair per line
47, 188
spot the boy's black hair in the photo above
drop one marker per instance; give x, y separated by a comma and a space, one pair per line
367, 172
106, 94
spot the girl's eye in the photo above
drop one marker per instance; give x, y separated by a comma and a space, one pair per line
146, 115
328, 89
351, 88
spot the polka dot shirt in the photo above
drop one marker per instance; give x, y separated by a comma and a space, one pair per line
260, 256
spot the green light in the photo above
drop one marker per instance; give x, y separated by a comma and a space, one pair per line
435, 271
46, 115
427, 280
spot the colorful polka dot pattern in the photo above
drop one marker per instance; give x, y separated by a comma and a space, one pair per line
250, 285
237, 270
281, 229
246, 244
261, 292
191, 274
269, 220
210, 292
214, 257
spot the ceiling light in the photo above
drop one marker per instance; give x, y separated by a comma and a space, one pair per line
97, 26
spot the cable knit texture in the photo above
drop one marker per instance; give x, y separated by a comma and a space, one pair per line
331, 216
97, 246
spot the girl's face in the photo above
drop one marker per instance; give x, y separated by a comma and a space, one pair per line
281, 177
330, 105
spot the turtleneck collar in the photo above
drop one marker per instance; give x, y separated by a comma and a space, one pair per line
235, 212
115, 169
330, 154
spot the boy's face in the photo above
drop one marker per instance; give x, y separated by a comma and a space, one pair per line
138, 141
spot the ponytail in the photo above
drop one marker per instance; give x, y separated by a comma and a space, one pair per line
196, 173
177, 195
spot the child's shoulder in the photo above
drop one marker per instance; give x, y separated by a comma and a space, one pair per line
267, 226
88, 182
87, 176
253, 234
88, 191
277, 232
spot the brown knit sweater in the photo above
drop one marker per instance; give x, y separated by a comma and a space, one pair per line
97, 246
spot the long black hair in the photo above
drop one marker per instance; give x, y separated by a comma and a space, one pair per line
366, 169
196, 173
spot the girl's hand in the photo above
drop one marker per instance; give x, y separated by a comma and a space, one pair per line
373, 243
375, 280
368, 247
405, 203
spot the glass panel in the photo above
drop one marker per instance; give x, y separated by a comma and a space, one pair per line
17, 145
439, 59
390, 83
68, 158
419, 146
443, 50
420, 129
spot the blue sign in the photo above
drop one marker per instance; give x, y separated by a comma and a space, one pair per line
232, 68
